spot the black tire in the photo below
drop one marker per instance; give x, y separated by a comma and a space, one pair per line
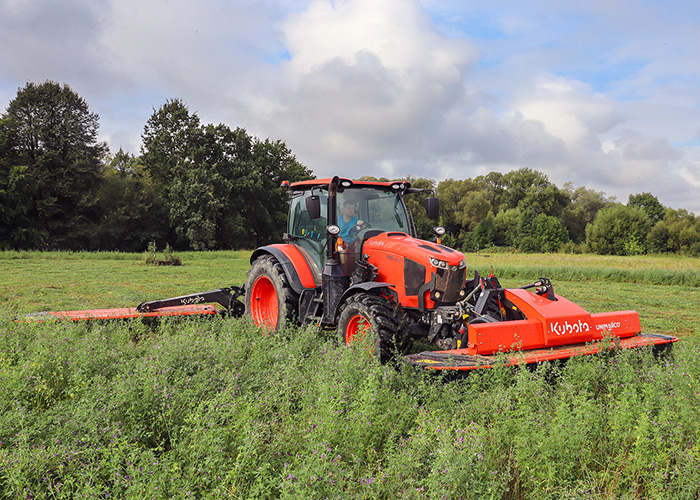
381, 318
269, 299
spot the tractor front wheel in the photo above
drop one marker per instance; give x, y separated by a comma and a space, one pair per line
269, 300
373, 319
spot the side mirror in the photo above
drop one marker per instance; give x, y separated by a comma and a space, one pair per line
313, 206
432, 208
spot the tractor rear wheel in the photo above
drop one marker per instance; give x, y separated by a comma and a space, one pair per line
366, 314
269, 300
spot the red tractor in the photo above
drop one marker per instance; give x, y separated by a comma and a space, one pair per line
351, 261
365, 271
358, 271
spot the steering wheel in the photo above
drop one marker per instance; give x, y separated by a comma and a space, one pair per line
360, 226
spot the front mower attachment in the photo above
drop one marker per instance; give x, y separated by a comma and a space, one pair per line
519, 326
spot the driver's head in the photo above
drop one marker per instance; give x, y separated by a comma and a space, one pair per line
348, 209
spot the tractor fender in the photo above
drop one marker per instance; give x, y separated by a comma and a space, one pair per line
293, 264
366, 287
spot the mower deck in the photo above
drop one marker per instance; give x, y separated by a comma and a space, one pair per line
123, 313
461, 360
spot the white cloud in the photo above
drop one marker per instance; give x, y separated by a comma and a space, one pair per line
603, 94
184, 47
569, 110
366, 82
397, 32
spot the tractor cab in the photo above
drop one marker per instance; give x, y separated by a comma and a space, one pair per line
361, 210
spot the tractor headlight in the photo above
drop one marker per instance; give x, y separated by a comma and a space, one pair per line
462, 264
440, 264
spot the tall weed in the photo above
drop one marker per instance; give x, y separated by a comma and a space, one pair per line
219, 409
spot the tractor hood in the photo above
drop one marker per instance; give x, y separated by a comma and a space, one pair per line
425, 274
401, 244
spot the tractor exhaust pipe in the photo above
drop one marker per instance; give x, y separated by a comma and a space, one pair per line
332, 217
335, 282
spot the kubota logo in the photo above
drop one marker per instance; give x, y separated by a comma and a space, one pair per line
568, 328
192, 300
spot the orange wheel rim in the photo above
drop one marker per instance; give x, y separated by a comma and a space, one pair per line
264, 306
357, 329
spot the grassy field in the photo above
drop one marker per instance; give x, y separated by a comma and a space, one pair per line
215, 409
36, 281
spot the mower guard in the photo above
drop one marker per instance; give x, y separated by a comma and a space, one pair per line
461, 360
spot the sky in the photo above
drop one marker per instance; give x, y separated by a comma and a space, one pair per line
603, 94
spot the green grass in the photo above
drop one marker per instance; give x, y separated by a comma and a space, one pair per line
216, 409
650, 270
37, 281
659, 262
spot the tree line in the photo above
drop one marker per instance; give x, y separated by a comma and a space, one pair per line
203, 186
523, 210
194, 186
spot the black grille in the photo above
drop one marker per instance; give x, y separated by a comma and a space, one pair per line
414, 276
448, 283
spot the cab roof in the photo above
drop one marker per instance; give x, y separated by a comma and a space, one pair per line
346, 183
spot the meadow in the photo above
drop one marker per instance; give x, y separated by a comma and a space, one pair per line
216, 409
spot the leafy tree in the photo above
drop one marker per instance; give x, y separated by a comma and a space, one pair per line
416, 204
678, 232
517, 184
548, 200
619, 230
506, 223
273, 163
173, 147
170, 138
549, 233
526, 228
451, 192
51, 164
16, 225
125, 163
650, 204
658, 238
529, 189
495, 187
529, 244
485, 232
464, 204
221, 186
473, 209
131, 214
585, 205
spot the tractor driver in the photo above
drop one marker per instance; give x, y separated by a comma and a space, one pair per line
347, 221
